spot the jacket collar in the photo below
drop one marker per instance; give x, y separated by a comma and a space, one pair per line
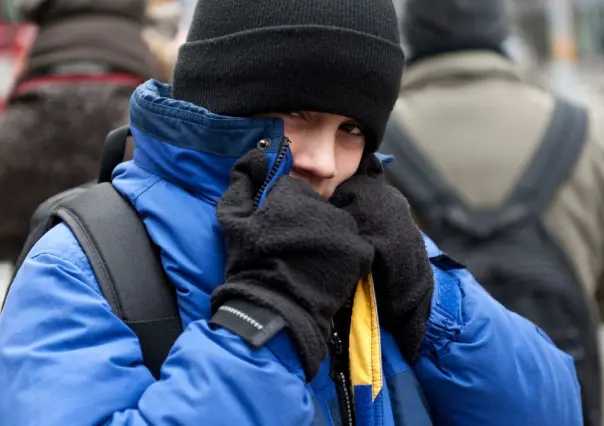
190, 146
473, 64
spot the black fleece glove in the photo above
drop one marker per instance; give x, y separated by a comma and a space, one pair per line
297, 255
402, 272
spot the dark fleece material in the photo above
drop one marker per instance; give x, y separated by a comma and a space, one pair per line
296, 254
401, 269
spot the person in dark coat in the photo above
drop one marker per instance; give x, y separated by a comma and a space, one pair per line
85, 63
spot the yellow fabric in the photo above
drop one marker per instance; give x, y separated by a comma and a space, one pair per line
365, 349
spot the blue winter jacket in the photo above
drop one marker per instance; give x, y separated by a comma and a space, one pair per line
65, 359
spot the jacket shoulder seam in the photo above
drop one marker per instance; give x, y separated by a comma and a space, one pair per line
80, 261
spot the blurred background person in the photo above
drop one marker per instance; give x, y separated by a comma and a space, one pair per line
16, 38
166, 30
464, 132
167, 24
85, 62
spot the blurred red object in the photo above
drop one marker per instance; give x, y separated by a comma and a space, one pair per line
16, 38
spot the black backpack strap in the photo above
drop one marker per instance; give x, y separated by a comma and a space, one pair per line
127, 267
434, 201
113, 153
554, 160
413, 175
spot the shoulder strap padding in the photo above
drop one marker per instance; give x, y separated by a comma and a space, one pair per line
434, 200
127, 267
411, 173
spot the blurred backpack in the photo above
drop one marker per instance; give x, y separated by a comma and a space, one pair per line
125, 261
509, 250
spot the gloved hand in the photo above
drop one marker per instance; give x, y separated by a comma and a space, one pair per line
401, 270
297, 255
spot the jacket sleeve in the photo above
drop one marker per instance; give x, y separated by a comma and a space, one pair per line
65, 359
484, 365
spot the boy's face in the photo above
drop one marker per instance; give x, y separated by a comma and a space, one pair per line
326, 148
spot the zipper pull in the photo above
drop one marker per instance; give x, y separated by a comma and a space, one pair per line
337, 349
262, 145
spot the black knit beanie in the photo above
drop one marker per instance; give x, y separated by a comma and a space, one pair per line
432, 27
246, 57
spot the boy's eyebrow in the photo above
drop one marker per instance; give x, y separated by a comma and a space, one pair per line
352, 121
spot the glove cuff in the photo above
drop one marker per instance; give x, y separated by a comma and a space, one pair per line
257, 314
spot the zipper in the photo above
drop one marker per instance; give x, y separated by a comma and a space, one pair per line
271, 174
339, 375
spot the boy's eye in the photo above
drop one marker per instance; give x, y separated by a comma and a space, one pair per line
296, 114
351, 128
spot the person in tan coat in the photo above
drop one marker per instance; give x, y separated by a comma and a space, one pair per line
479, 123
469, 113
